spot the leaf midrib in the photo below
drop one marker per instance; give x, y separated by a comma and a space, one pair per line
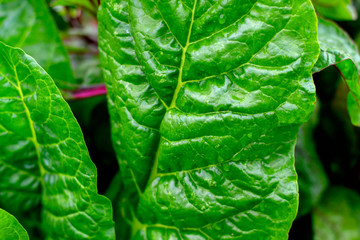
180, 83
31, 123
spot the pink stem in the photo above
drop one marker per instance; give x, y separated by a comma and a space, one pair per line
89, 92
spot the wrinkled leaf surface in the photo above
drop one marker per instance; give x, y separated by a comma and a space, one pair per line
44, 161
206, 99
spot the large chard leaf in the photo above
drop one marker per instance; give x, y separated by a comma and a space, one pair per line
338, 215
336, 9
339, 50
28, 24
206, 99
44, 161
10, 228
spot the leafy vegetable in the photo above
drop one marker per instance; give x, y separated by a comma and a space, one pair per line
336, 9
338, 49
338, 215
10, 228
206, 98
28, 24
312, 177
43, 153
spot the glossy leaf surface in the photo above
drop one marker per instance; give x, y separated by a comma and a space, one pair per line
338, 215
28, 24
339, 50
311, 174
44, 161
10, 228
336, 9
206, 103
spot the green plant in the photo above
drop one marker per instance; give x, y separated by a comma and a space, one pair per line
10, 228
206, 99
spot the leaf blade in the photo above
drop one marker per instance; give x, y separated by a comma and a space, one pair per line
43, 134
29, 25
10, 228
199, 122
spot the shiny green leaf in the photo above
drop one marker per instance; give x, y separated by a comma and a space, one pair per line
28, 24
339, 50
312, 177
44, 162
336, 9
206, 99
338, 215
10, 228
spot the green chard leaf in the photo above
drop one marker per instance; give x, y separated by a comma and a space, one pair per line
338, 215
336, 9
312, 177
28, 24
339, 50
10, 228
44, 162
206, 102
